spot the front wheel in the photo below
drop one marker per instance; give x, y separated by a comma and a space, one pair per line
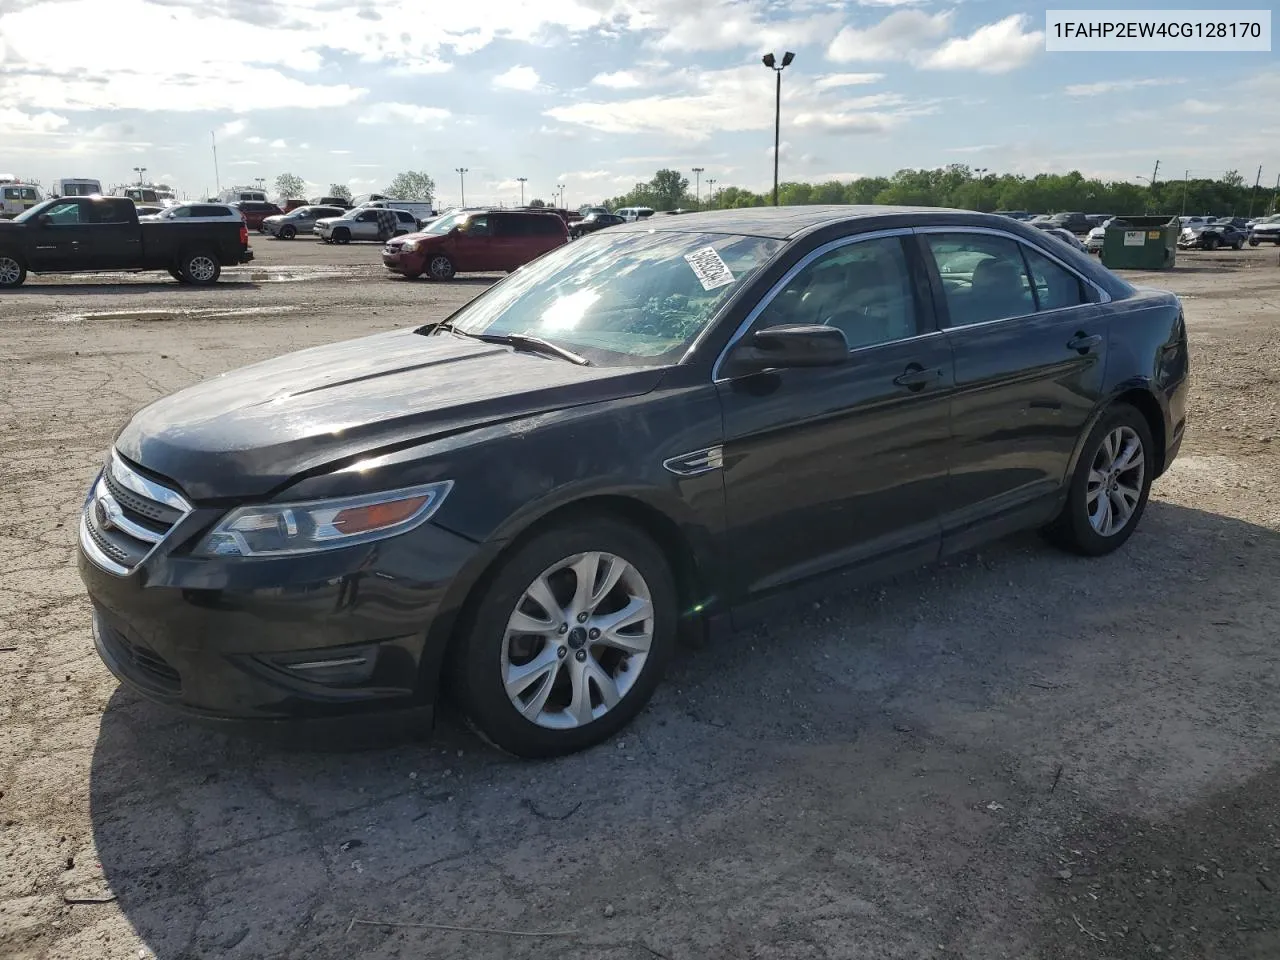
440, 267
569, 639
1109, 490
13, 272
177, 275
1238, 245
288, 232
200, 268
1254, 243
342, 235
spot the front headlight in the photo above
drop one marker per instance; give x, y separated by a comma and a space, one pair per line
411, 247
283, 529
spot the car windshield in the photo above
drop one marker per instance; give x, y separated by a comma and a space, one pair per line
625, 299
446, 223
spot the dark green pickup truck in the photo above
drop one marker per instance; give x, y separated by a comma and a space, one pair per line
95, 234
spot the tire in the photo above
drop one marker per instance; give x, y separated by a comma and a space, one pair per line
1238, 245
1211, 243
440, 267
565, 696
342, 235
1081, 527
200, 268
177, 275
13, 272
288, 232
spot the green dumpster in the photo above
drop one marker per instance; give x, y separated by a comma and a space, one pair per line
1141, 243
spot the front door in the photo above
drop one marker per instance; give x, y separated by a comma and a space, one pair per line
832, 468
56, 243
1030, 350
473, 246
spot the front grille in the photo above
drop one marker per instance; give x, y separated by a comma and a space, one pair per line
143, 664
126, 516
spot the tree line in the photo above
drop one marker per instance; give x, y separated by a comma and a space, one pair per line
958, 185
409, 185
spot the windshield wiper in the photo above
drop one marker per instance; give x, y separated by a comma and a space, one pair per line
521, 341
527, 341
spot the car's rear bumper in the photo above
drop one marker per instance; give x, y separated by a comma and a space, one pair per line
246, 256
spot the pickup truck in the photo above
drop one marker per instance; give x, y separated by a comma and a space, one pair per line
77, 234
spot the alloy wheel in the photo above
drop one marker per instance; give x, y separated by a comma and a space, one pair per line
10, 271
202, 269
1115, 481
577, 640
441, 268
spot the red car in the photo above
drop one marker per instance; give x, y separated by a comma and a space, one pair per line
475, 241
255, 211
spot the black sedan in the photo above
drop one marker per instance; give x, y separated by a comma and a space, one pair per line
661, 430
592, 222
1212, 235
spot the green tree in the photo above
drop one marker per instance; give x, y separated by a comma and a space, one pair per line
412, 185
339, 190
537, 202
290, 186
669, 190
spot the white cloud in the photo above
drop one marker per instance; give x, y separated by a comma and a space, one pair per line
517, 78
277, 144
736, 99
244, 163
232, 129
402, 113
899, 36
622, 80
255, 140
1116, 86
15, 121
995, 48
1200, 107
834, 80
587, 175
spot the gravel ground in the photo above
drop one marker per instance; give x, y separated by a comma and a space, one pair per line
1019, 754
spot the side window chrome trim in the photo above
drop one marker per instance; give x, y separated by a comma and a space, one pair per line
790, 275
1103, 296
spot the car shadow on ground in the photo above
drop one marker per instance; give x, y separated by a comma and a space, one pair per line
826, 784
125, 288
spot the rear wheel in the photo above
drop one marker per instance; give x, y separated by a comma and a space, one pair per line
342, 235
200, 268
13, 272
440, 267
1211, 242
569, 638
1109, 489
288, 232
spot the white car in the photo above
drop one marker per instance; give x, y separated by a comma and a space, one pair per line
362, 224
204, 212
419, 208
1266, 230
16, 198
1093, 242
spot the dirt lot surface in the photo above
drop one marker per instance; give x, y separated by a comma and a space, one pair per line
1020, 754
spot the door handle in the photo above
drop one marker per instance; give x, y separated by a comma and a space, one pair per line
916, 377
1084, 342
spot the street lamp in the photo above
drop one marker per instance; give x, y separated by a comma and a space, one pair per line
711, 189
697, 174
462, 184
140, 171
769, 61
522, 181
560, 194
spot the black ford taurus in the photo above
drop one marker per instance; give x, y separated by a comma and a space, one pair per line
661, 429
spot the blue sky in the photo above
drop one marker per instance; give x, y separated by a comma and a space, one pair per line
597, 94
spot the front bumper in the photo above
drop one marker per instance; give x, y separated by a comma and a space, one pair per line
358, 631
410, 264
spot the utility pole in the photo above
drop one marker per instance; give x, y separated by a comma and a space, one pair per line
711, 189
1153, 179
697, 190
522, 181
216, 179
1186, 175
1275, 197
772, 63
1257, 181
462, 184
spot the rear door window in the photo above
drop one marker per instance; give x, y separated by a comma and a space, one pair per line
1055, 286
983, 277
479, 227
113, 211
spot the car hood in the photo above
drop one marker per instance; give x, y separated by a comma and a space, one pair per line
275, 218
1267, 228
248, 432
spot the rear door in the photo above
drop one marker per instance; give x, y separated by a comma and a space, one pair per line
112, 237
1029, 337
840, 467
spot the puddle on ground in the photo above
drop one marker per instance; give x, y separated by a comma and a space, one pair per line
159, 315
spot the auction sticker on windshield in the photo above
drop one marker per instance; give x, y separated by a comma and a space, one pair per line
711, 271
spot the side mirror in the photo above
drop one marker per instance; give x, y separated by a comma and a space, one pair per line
44, 220
789, 345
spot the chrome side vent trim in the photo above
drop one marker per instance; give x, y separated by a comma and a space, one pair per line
696, 462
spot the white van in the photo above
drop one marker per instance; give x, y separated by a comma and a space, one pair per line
242, 195
632, 214
421, 209
76, 187
16, 198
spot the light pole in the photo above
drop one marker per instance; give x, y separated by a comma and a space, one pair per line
522, 181
462, 184
560, 194
981, 174
140, 171
711, 189
769, 61
697, 190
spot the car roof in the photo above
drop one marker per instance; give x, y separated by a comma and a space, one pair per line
785, 223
